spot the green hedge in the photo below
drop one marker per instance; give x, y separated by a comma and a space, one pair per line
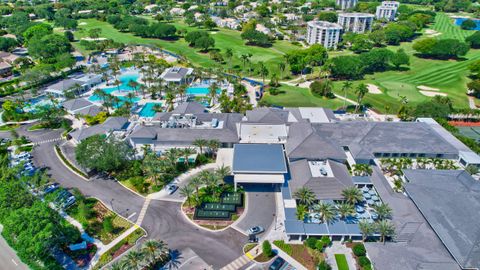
70, 165
283, 246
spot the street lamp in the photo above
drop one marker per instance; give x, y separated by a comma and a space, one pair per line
275, 216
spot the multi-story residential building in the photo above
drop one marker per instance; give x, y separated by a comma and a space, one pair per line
325, 33
346, 4
387, 10
356, 22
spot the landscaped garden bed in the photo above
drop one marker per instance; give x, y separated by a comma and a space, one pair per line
98, 221
119, 248
359, 253
308, 257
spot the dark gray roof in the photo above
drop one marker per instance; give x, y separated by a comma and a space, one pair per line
325, 188
267, 115
303, 142
366, 138
91, 110
111, 124
450, 202
175, 73
63, 85
259, 158
76, 104
189, 107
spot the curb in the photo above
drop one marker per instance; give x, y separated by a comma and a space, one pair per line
68, 167
200, 227
131, 190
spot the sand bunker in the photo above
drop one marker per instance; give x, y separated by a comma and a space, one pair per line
432, 93
94, 39
426, 88
432, 33
82, 23
373, 89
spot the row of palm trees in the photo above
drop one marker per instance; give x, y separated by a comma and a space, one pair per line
211, 180
151, 253
329, 212
210, 145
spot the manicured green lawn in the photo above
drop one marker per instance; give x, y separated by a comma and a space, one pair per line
291, 96
341, 262
224, 38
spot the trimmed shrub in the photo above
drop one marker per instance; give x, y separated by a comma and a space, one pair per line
323, 265
359, 250
267, 248
320, 245
311, 242
326, 241
364, 261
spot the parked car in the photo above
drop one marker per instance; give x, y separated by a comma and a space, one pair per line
171, 188
255, 230
69, 202
51, 188
277, 264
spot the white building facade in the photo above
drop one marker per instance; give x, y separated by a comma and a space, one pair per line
324, 33
356, 22
387, 10
346, 4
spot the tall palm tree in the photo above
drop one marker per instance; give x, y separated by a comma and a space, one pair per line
361, 91
130, 96
263, 70
301, 211
213, 145
188, 191
282, 66
222, 172
182, 91
326, 210
196, 182
200, 143
345, 87
229, 55
133, 84
352, 195
386, 229
345, 209
305, 196
366, 228
212, 92
153, 249
186, 152
383, 210
169, 99
133, 260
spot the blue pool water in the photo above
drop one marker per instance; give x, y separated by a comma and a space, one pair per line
122, 100
459, 21
147, 110
124, 86
199, 91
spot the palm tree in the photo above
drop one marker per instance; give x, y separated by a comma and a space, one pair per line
361, 91
142, 89
282, 66
116, 266
229, 55
188, 192
133, 84
196, 182
386, 229
213, 145
366, 228
133, 260
345, 209
326, 210
186, 152
345, 87
301, 211
352, 195
154, 249
245, 58
130, 96
169, 99
222, 172
263, 70
182, 91
305, 196
383, 211
212, 92
200, 143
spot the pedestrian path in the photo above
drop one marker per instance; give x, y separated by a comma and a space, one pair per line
339, 248
143, 212
47, 141
244, 259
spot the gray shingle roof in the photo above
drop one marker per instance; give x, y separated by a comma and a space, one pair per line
303, 142
189, 107
450, 202
76, 104
111, 124
267, 115
91, 110
175, 73
325, 188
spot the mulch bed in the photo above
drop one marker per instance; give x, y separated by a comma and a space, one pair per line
464, 124
121, 250
301, 254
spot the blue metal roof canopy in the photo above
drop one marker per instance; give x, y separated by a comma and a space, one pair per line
259, 159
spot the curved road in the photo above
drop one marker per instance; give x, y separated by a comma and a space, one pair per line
163, 220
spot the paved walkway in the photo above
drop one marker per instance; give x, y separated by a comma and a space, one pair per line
251, 93
339, 248
289, 259
244, 259
471, 103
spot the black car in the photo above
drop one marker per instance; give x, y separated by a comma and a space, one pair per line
277, 264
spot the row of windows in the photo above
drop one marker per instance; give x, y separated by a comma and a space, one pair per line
409, 155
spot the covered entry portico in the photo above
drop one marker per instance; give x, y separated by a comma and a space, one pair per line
259, 163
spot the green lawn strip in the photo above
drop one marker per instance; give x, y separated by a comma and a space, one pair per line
124, 244
9, 127
292, 96
341, 262
67, 162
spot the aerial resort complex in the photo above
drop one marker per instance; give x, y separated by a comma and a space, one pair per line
228, 135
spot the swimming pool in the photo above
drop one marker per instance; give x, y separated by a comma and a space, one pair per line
95, 98
459, 21
124, 79
199, 91
148, 109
